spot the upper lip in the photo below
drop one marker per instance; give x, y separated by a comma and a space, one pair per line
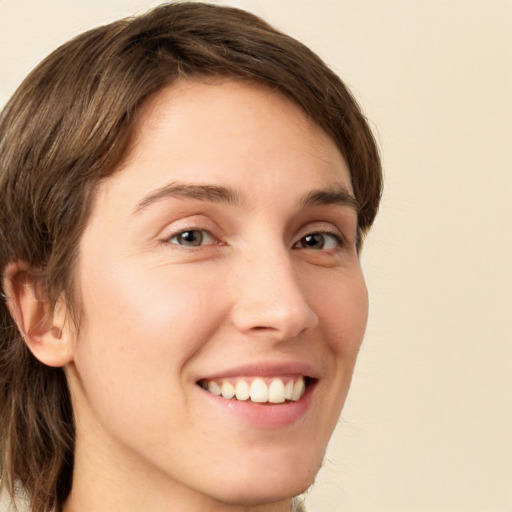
265, 369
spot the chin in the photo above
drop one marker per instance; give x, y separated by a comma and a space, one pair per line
259, 493
269, 483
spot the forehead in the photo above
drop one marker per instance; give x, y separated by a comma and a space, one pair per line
226, 132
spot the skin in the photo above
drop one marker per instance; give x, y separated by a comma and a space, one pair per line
158, 316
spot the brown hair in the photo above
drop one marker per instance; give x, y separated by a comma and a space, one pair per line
69, 125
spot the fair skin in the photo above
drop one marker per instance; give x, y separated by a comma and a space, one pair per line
210, 258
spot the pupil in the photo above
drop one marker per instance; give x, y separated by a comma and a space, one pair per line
191, 237
314, 240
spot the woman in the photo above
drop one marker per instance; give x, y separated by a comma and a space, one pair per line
184, 198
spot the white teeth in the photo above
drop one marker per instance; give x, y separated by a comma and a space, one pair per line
214, 388
276, 392
298, 389
228, 390
242, 390
288, 390
258, 391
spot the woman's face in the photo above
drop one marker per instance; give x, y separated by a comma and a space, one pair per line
221, 255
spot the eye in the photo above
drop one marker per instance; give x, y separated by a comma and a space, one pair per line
319, 242
192, 238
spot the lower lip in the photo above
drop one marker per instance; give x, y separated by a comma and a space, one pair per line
265, 416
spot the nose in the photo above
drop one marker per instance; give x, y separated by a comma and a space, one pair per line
269, 297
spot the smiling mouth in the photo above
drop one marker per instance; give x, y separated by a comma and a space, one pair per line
272, 390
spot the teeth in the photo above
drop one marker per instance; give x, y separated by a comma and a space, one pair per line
298, 389
228, 391
277, 392
242, 390
288, 390
259, 391
214, 388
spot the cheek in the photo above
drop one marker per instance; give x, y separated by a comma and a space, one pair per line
344, 314
341, 303
148, 306
140, 330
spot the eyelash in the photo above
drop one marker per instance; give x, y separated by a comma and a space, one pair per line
192, 230
339, 241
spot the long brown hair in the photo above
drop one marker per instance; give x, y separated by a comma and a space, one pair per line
69, 125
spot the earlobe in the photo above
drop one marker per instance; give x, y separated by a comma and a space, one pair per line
44, 328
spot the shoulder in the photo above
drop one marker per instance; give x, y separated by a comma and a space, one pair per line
298, 506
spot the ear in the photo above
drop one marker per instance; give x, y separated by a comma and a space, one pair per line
46, 332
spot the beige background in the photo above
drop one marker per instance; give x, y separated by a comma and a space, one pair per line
428, 425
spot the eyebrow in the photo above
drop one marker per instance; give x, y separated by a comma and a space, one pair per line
337, 194
210, 193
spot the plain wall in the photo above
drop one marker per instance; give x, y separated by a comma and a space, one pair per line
428, 423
